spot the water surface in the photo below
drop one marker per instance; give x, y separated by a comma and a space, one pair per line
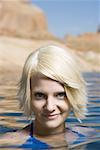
12, 118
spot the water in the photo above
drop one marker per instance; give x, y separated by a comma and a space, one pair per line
12, 118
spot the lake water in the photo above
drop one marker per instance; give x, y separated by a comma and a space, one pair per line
12, 118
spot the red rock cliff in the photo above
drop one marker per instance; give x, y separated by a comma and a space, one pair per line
21, 19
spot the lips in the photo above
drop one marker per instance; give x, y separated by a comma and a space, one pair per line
50, 116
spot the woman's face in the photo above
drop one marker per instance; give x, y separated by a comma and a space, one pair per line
49, 103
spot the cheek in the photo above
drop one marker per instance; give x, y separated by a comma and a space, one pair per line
37, 106
65, 106
68, 104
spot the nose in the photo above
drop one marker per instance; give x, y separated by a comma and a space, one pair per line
49, 106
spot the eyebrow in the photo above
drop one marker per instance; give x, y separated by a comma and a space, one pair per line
60, 92
46, 92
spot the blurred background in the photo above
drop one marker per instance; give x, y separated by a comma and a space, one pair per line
28, 24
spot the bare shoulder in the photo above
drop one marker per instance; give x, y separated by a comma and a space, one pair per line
13, 138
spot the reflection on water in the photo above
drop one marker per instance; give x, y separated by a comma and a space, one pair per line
12, 118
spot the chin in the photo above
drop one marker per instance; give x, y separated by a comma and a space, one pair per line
52, 125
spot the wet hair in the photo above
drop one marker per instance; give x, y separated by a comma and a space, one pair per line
58, 64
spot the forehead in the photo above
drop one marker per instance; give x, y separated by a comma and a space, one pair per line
43, 82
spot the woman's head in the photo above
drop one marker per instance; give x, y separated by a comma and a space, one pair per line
59, 65
49, 103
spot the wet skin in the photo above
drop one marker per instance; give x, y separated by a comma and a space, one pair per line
49, 104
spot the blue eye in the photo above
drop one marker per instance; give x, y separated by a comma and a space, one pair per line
39, 95
61, 95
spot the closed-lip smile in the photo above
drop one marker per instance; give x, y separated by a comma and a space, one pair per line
50, 116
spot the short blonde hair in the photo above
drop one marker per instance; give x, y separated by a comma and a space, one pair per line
58, 64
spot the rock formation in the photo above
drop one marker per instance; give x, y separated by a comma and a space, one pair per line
21, 19
84, 42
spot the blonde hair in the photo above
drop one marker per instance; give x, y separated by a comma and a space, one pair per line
58, 64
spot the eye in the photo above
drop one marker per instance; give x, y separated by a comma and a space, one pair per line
39, 95
61, 95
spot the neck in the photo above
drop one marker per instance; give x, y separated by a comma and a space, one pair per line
44, 131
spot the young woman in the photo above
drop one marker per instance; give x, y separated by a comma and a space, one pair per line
50, 87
